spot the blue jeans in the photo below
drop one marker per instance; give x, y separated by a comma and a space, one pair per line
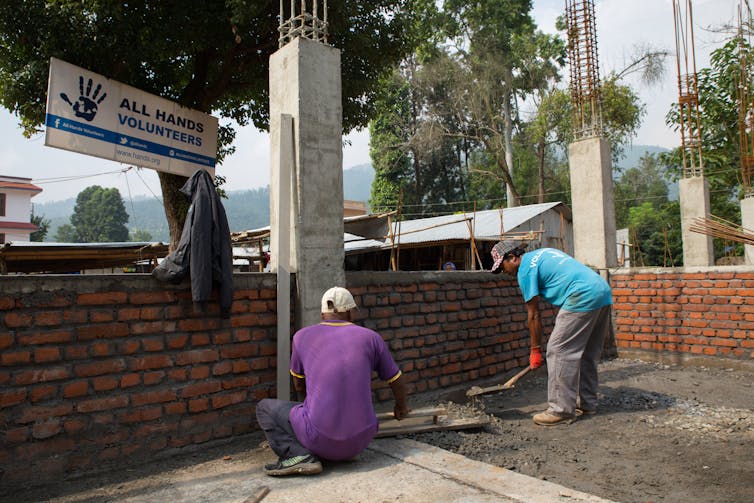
272, 416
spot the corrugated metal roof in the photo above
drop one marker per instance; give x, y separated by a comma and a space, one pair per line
486, 225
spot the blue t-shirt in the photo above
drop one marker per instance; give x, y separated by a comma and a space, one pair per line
562, 281
337, 358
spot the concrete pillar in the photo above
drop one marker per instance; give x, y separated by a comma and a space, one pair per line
593, 202
747, 222
305, 83
693, 194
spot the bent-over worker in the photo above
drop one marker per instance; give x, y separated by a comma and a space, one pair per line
575, 344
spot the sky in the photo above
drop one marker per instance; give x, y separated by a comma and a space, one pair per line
621, 25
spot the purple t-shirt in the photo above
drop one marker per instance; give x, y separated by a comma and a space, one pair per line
337, 420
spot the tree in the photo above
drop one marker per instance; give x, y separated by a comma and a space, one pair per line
99, 216
66, 234
209, 55
646, 183
43, 225
140, 235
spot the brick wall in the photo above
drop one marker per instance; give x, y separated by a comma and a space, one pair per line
95, 370
681, 315
98, 371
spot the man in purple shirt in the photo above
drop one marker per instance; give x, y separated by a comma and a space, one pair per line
332, 363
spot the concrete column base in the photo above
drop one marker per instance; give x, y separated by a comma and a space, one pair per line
593, 203
747, 222
694, 199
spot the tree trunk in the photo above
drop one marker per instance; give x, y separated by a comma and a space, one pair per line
176, 205
541, 170
513, 200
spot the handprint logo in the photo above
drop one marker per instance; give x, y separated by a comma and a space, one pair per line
87, 104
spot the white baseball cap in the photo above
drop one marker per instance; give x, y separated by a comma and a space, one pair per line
338, 300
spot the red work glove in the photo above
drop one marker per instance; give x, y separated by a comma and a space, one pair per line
535, 358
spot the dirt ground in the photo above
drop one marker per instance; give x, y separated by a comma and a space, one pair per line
662, 434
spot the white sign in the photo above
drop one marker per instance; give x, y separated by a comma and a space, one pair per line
94, 115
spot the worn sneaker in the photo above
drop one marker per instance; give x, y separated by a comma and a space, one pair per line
297, 465
584, 412
548, 418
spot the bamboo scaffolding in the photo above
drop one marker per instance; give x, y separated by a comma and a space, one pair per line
720, 228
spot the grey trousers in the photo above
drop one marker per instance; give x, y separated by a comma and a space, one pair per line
272, 416
573, 352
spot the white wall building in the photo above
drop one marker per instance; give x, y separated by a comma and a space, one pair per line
15, 208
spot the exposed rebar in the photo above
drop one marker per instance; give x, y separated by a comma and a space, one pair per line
585, 83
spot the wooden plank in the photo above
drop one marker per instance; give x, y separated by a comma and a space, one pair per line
421, 412
393, 428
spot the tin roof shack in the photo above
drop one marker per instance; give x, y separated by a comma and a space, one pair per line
379, 242
86, 258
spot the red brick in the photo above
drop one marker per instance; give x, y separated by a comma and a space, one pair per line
6, 340
7, 303
16, 319
101, 298
47, 354
101, 331
152, 327
150, 313
98, 404
199, 372
198, 324
198, 405
102, 349
40, 412
43, 392
153, 344
48, 318
221, 401
177, 341
150, 362
141, 415
197, 356
153, 397
17, 435
76, 316
36, 376
46, 337
101, 367
201, 388
15, 357
130, 380
158, 297
46, 429
128, 314
74, 389
175, 408
101, 315
105, 383
12, 397
151, 378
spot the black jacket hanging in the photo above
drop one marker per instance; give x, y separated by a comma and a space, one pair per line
204, 251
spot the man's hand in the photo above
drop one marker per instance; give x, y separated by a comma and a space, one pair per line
535, 358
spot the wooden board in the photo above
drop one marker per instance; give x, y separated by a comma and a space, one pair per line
392, 427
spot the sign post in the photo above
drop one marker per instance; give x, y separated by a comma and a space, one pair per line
94, 115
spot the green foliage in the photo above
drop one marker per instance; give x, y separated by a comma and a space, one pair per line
210, 55
66, 234
140, 235
44, 227
656, 234
644, 184
99, 216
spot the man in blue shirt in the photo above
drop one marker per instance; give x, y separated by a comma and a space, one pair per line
575, 344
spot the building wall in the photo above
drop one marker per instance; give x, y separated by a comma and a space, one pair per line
103, 371
685, 315
17, 205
